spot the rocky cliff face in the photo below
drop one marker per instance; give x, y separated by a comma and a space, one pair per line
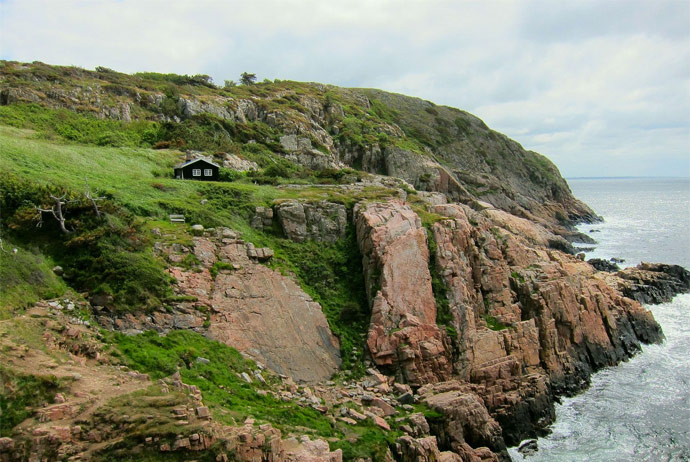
240, 302
403, 331
531, 322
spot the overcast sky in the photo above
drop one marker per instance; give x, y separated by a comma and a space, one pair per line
600, 87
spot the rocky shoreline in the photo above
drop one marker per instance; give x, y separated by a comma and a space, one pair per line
528, 323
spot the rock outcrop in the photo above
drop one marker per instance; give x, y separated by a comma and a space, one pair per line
531, 322
318, 221
403, 334
238, 301
653, 282
248, 303
466, 427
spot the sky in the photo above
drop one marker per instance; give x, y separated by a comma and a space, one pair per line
600, 87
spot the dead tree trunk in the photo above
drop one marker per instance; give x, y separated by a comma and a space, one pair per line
56, 211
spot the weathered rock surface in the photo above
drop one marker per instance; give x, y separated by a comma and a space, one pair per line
403, 334
603, 265
246, 303
531, 322
466, 423
234, 162
653, 282
318, 221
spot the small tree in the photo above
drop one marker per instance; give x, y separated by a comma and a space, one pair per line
247, 78
229, 84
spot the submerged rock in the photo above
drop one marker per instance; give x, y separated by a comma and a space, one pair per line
604, 265
528, 448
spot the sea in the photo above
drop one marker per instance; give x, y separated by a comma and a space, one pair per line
640, 409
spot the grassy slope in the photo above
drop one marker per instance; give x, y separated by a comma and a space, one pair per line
25, 277
128, 176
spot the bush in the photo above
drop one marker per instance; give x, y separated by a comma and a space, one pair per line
21, 394
80, 128
108, 250
227, 174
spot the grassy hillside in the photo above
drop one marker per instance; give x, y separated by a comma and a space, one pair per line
114, 256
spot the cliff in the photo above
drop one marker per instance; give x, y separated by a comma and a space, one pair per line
375, 277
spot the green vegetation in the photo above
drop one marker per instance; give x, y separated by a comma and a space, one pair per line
80, 128
25, 277
518, 277
220, 266
106, 254
20, 394
332, 275
230, 397
493, 323
218, 380
444, 317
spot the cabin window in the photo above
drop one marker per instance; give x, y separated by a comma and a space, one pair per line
196, 172
208, 172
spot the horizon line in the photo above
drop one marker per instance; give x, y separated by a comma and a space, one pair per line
627, 177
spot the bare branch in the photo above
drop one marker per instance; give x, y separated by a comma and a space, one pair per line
56, 211
91, 198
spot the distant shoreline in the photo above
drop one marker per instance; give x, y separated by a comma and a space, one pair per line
628, 178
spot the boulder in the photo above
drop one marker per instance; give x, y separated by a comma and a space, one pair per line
319, 221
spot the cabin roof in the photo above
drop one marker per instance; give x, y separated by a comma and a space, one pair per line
190, 162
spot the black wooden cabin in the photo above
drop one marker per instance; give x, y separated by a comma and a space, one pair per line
197, 169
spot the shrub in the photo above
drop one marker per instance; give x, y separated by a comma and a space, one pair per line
20, 394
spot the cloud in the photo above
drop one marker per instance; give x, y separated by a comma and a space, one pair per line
583, 82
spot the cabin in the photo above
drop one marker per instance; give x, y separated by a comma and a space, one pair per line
197, 169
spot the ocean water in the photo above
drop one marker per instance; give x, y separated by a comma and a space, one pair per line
640, 409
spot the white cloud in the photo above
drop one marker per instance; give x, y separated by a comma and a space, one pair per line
586, 83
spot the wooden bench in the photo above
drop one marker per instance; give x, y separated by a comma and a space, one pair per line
176, 218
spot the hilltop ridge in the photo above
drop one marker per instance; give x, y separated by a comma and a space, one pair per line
314, 126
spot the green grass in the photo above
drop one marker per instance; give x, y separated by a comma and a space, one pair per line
125, 174
20, 394
493, 323
25, 278
237, 400
80, 128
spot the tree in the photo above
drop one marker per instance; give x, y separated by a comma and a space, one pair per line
229, 84
247, 78
57, 208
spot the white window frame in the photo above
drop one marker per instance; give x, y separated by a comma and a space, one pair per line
208, 172
196, 172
